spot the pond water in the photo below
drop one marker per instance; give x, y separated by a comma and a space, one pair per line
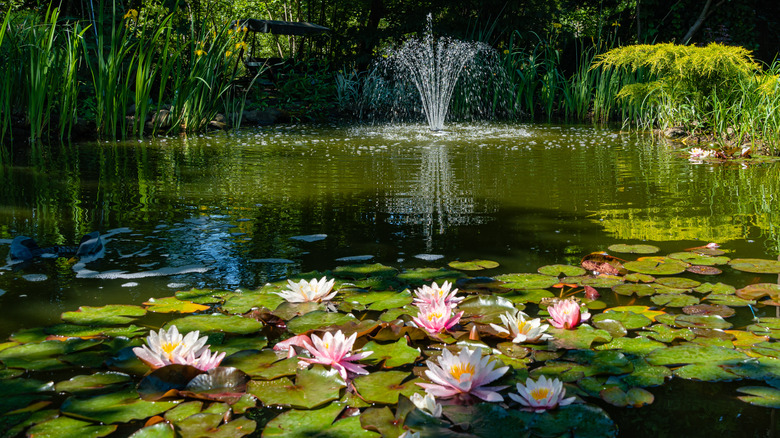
238, 210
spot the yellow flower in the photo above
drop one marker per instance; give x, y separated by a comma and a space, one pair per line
200, 52
241, 46
506, 52
132, 14
615, 24
228, 53
557, 25
244, 29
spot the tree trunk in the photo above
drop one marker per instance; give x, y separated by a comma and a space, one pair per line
699, 21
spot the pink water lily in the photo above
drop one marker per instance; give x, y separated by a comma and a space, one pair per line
566, 314
436, 318
288, 344
466, 373
433, 294
541, 395
333, 350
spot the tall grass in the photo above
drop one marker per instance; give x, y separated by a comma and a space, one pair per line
6, 83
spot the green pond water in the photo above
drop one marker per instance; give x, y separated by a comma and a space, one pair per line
237, 210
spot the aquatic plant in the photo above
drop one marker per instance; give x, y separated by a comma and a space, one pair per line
334, 350
436, 317
465, 373
521, 328
309, 291
566, 314
541, 395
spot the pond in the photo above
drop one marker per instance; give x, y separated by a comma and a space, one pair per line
238, 210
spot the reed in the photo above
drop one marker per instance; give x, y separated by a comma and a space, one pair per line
6, 83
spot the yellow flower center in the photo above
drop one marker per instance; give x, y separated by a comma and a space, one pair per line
433, 315
460, 369
521, 326
168, 347
540, 393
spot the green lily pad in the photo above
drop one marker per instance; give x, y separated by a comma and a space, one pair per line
42, 356
365, 271
382, 420
159, 430
368, 297
602, 281
580, 338
717, 288
634, 249
640, 310
166, 381
265, 365
317, 423
664, 333
520, 297
768, 349
422, 276
693, 354
638, 289
699, 259
212, 425
203, 296
678, 282
216, 323
86, 332
705, 372
674, 300
313, 387
759, 290
761, 396
646, 375
318, 319
399, 299
613, 327
629, 320
116, 407
106, 315
234, 345
704, 270
635, 397
728, 300
245, 301
93, 383
656, 266
527, 281
473, 265
756, 266
702, 321
636, 277
226, 384
386, 386
173, 305
393, 354
709, 309
486, 309
562, 270
65, 427
638, 346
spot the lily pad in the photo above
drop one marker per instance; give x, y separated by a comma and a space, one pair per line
65, 427
364, 271
318, 423
641, 310
520, 297
382, 420
313, 387
318, 319
203, 296
116, 407
759, 290
709, 309
562, 270
693, 354
634, 249
393, 354
637, 346
761, 396
486, 309
473, 265
636, 277
635, 397
107, 315
757, 266
699, 259
705, 372
629, 320
702, 321
666, 334
580, 338
678, 282
245, 301
225, 384
398, 299
646, 375
637, 289
386, 386
173, 305
728, 300
216, 323
656, 266
93, 383
703, 270
603, 281
674, 300
527, 281
159, 430
427, 275
266, 364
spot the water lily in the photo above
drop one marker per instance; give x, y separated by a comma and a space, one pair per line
701, 153
541, 395
287, 344
430, 295
334, 350
466, 373
436, 318
206, 361
566, 314
170, 347
307, 291
521, 328
427, 404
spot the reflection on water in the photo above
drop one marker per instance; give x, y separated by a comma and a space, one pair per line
237, 210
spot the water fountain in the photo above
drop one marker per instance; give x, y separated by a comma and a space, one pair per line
434, 65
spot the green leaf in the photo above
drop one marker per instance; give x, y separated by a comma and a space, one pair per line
520, 297
761, 396
706, 372
527, 281
399, 299
93, 383
580, 338
674, 300
637, 346
656, 266
318, 319
117, 407
266, 364
65, 427
646, 375
699, 259
678, 282
383, 421
313, 387
635, 397
202, 296
386, 386
564, 270
759, 290
630, 320
473, 265
485, 309
693, 354
173, 305
365, 271
603, 281
393, 354
666, 334
216, 323
634, 249
159, 430
234, 345
318, 423
757, 266
106, 315
245, 301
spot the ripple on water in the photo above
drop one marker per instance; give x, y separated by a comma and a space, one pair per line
35, 277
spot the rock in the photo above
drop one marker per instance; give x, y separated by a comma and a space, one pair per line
268, 116
23, 248
675, 132
162, 119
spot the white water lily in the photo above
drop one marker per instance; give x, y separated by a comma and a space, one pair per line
465, 373
170, 347
541, 395
433, 294
308, 291
427, 404
521, 328
701, 153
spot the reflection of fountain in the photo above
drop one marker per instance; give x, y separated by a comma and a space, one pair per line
435, 200
434, 66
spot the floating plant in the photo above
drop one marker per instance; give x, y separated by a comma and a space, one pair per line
544, 354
